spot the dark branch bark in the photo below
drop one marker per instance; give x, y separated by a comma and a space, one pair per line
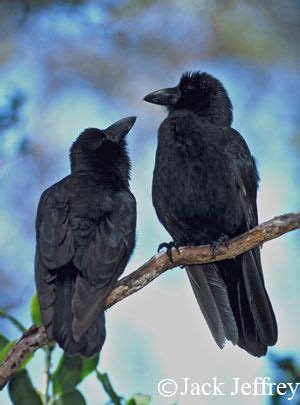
35, 337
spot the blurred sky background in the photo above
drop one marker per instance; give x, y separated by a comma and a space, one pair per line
68, 65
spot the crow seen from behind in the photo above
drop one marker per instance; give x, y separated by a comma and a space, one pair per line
204, 192
85, 233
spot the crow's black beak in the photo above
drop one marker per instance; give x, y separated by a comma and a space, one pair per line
168, 96
117, 131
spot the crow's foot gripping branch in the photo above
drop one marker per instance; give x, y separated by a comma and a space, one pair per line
222, 241
169, 247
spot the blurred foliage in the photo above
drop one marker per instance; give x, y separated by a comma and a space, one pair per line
252, 30
10, 118
13, 320
9, 114
108, 388
14, 146
139, 399
286, 370
63, 381
71, 371
5, 346
35, 312
21, 390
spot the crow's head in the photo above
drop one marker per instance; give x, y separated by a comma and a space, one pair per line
93, 139
198, 92
102, 149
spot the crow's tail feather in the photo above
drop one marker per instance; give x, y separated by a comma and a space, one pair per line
235, 303
93, 339
212, 296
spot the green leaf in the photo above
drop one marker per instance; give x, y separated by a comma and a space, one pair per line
139, 399
13, 320
21, 390
3, 341
67, 375
6, 349
73, 397
71, 371
35, 311
89, 365
108, 388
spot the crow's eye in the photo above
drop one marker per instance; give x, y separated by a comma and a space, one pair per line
187, 89
101, 138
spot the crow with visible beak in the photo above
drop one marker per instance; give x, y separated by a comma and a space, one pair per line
85, 234
204, 192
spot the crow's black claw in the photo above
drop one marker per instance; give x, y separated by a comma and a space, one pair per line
176, 246
162, 246
169, 247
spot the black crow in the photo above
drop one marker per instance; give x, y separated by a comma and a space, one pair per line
204, 192
85, 233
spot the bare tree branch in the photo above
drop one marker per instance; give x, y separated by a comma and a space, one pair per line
35, 337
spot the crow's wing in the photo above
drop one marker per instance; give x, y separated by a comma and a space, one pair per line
245, 174
246, 178
54, 247
97, 252
102, 261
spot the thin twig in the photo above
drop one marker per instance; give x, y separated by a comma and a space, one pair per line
108, 388
47, 373
36, 337
13, 320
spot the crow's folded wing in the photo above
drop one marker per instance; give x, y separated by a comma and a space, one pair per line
96, 250
102, 260
245, 174
54, 247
